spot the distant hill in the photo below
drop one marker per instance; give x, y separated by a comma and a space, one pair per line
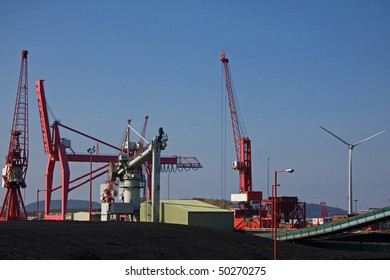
217, 202
312, 210
73, 204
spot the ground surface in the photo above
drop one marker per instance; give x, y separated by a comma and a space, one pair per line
119, 240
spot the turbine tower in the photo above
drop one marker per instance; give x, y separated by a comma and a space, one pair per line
350, 148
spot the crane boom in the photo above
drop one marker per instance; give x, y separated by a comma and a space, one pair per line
18, 148
15, 170
45, 125
232, 105
143, 133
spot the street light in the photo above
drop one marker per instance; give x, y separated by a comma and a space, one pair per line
267, 158
274, 189
90, 151
37, 210
356, 208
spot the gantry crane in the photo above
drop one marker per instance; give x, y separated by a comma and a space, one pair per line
244, 217
56, 149
14, 172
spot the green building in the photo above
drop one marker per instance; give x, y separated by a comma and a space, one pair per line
192, 213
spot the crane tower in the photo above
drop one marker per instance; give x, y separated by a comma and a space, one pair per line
14, 172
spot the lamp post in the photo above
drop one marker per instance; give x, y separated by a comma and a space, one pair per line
37, 210
356, 208
267, 158
168, 185
90, 151
274, 190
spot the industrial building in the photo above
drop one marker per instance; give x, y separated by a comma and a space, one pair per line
193, 213
84, 216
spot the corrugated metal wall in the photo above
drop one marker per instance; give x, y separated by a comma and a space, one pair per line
194, 213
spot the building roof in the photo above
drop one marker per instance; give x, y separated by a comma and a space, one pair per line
193, 206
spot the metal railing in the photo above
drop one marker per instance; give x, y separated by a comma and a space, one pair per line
339, 226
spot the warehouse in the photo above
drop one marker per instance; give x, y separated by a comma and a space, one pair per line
193, 213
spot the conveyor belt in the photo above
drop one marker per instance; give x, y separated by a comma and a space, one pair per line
355, 222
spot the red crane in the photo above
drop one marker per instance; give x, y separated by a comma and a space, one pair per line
143, 133
243, 161
14, 172
242, 143
55, 147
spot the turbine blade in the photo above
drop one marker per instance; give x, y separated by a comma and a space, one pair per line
369, 138
346, 143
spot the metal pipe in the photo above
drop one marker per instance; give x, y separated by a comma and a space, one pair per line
141, 158
155, 181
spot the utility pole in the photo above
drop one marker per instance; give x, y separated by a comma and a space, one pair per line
90, 151
267, 158
356, 208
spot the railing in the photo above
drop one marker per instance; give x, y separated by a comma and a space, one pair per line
340, 226
180, 164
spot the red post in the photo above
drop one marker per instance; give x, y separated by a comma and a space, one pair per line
275, 216
37, 204
90, 188
274, 189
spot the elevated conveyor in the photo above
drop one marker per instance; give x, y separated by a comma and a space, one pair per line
352, 223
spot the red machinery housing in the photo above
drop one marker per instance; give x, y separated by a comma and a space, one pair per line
291, 213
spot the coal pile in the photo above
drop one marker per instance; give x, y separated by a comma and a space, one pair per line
70, 240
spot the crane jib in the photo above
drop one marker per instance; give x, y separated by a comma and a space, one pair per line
242, 144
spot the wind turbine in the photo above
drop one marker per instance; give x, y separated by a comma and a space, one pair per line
350, 148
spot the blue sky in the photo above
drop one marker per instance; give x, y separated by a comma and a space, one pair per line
295, 65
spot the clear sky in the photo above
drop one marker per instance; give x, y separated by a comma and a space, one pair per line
295, 65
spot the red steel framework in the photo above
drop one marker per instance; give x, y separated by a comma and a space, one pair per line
324, 211
291, 213
14, 173
55, 148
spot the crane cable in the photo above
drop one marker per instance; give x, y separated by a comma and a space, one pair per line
50, 110
238, 109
